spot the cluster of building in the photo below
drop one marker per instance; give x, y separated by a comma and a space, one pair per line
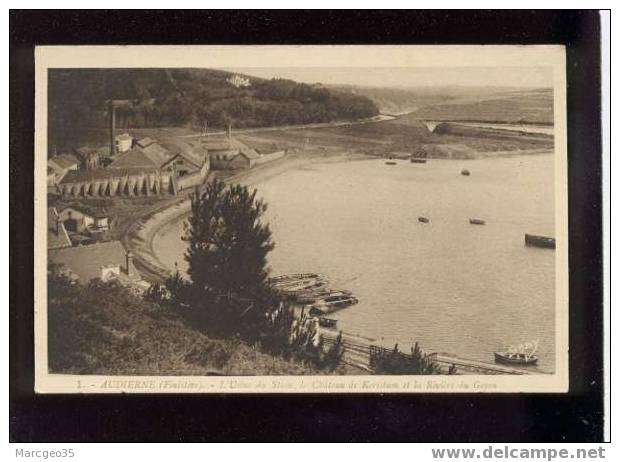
76, 225
132, 167
238, 81
78, 235
105, 260
144, 166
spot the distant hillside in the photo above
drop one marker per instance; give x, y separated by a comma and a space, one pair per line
488, 104
403, 100
171, 97
525, 106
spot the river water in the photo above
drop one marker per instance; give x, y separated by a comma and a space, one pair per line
456, 288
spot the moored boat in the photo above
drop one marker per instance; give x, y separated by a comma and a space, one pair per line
539, 241
283, 278
465, 172
417, 160
297, 283
476, 221
331, 304
320, 293
301, 285
390, 162
515, 359
327, 322
423, 220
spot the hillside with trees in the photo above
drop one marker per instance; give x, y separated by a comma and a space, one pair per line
175, 97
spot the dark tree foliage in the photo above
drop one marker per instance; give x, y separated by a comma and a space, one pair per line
297, 337
334, 354
227, 251
170, 97
396, 363
228, 294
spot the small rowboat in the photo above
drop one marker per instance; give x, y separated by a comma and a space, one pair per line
283, 278
327, 322
390, 163
465, 172
476, 221
423, 220
417, 160
515, 359
331, 304
540, 241
300, 286
320, 293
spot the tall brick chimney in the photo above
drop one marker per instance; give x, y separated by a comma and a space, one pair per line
128, 262
111, 110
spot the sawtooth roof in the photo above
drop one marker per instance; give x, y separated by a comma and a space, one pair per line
76, 176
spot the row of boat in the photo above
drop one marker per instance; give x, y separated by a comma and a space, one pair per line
472, 221
531, 240
312, 290
413, 160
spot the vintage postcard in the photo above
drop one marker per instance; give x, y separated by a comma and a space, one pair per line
338, 219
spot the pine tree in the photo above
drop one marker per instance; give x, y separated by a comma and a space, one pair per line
227, 251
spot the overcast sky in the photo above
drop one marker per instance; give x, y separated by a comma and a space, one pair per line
411, 76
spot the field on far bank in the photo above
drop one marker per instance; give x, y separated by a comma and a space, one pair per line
381, 138
533, 106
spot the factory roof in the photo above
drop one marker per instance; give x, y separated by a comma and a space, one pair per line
144, 142
157, 154
76, 176
230, 144
191, 151
153, 156
63, 161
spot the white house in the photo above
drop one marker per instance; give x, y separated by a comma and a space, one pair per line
123, 142
239, 81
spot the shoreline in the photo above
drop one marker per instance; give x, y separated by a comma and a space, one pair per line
161, 221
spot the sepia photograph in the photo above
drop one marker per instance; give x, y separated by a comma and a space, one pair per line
301, 219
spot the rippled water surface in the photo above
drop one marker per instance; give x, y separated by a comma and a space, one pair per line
454, 287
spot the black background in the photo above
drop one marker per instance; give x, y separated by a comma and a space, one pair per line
573, 417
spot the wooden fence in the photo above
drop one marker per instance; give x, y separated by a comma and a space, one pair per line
365, 356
